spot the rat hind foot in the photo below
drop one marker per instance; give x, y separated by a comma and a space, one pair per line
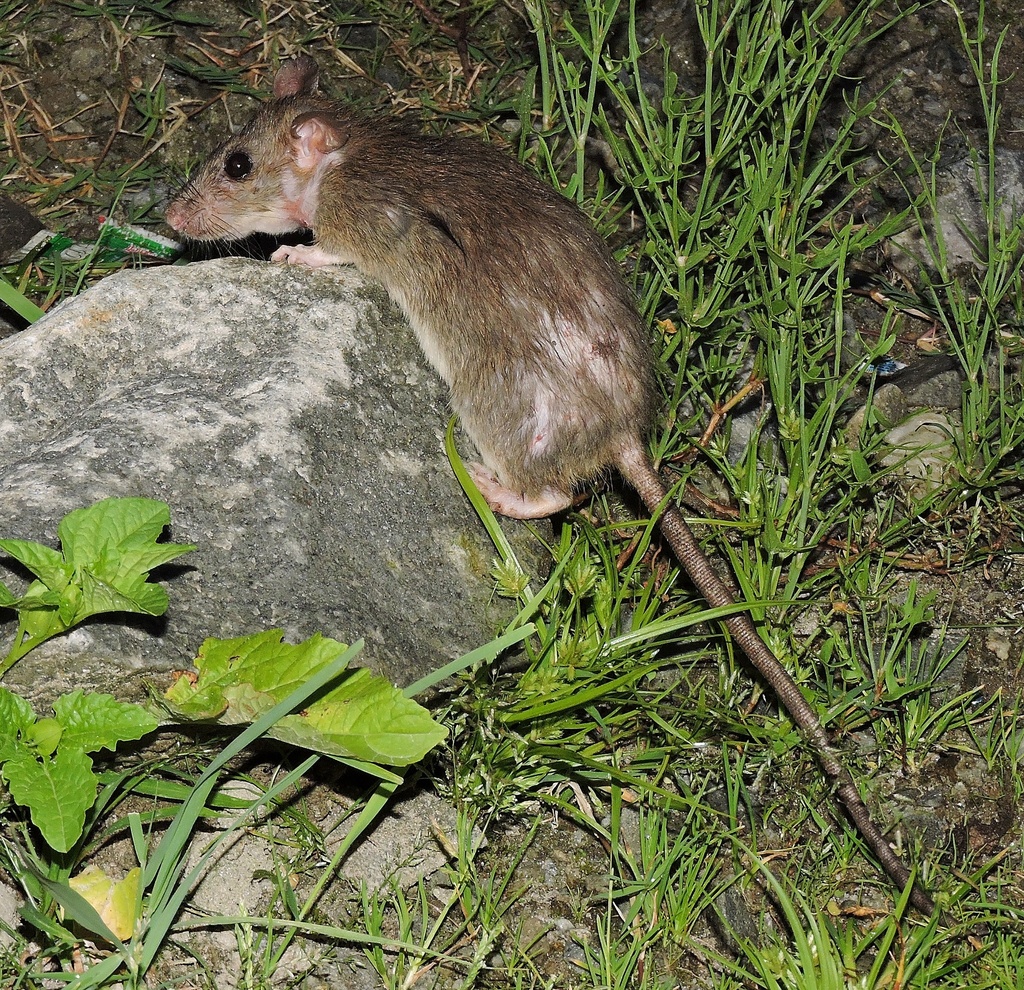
518, 505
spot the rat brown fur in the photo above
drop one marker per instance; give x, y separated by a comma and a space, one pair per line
515, 300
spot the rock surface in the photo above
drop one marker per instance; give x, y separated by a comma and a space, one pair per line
290, 422
958, 230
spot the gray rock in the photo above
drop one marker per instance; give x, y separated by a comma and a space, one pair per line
921, 451
888, 407
943, 391
960, 217
10, 899
290, 422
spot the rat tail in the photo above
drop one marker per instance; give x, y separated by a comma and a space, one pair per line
637, 469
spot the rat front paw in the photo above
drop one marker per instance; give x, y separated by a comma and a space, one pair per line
305, 254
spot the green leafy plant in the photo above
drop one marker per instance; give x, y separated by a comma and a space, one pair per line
137, 929
166, 879
46, 765
352, 715
362, 716
45, 762
108, 550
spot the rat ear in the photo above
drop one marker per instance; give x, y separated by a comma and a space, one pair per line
315, 134
297, 77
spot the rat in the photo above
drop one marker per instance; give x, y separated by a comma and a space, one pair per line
514, 298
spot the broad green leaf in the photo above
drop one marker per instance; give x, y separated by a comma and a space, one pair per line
99, 721
37, 596
119, 593
245, 704
6, 598
261, 660
16, 717
363, 716
57, 793
70, 604
117, 537
10, 747
115, 901
16, 713
112, 547
108, 550
47, 564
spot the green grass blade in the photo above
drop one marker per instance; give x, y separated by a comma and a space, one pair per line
12, 298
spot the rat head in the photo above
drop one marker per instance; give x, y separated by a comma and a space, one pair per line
266, 178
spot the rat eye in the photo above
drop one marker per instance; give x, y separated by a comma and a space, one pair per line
238, 165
